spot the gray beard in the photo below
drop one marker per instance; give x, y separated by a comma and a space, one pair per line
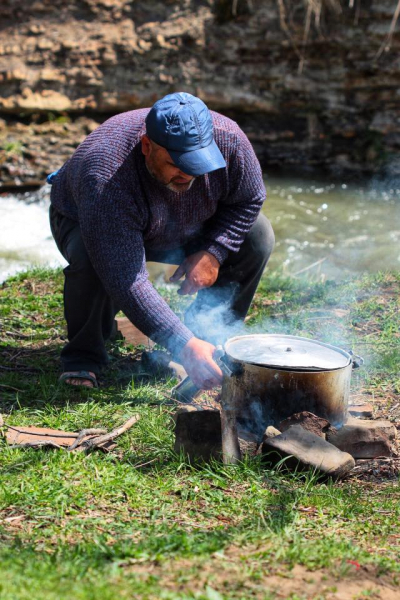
174, 188
171, 186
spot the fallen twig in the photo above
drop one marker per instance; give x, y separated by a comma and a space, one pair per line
149, 462
99, 441
10, 387
385, 46
82, 434
47, 444
314, 264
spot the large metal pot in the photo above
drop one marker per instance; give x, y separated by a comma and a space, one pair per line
274, 376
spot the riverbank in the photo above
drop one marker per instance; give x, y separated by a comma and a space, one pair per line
141, 518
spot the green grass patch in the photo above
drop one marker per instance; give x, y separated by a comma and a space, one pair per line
141, 522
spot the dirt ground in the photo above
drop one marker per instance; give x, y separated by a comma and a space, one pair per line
352, 581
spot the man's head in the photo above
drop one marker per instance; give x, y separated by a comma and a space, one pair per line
161, 166
179, 143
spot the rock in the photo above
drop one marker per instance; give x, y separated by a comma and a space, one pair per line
301, 446
198, 433
247, 447
308, 421
43, 101
364, 439
361, 411
271, 432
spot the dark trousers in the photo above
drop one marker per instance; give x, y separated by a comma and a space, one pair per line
90, 312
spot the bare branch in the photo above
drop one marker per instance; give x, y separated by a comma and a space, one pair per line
385, 46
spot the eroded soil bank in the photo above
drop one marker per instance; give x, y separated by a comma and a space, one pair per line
323, 97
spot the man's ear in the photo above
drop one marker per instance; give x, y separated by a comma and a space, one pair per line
146, 145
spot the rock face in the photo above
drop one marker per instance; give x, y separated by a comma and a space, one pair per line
305, 449
364, 439
334, 105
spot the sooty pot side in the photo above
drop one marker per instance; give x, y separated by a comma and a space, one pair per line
265, 396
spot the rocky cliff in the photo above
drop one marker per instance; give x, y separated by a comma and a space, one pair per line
314, 85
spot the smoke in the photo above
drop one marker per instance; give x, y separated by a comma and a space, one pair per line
211, 317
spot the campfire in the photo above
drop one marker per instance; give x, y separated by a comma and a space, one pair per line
283, 397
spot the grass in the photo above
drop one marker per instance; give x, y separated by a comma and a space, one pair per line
11, 148
141, 522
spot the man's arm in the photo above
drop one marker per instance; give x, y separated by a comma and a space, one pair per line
111, 226
239, 209
111, 232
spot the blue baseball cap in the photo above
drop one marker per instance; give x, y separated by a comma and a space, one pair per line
182, 124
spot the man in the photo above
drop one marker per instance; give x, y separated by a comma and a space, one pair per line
177, 184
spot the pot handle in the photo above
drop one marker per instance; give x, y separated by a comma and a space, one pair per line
218, 357
221, 359
356, 360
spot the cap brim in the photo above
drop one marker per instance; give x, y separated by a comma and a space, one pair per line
199, 162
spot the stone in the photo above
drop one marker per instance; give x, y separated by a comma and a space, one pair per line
45, 100
308, 421
198, 433
271, 432
364, 439
363, 411
307, 450
247, 448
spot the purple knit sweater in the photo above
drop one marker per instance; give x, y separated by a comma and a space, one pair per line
123, 211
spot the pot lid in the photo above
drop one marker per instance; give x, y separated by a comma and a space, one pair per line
286, 352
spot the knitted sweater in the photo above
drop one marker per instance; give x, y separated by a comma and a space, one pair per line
123, 211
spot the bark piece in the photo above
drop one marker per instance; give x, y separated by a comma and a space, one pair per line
307, 450
308, 421
41, 436
198, 433
85, 440
103, 441
362, 411
364, 438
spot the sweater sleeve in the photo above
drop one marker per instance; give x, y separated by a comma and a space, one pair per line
239, 209
111, 228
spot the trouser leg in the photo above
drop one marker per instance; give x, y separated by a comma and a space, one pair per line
88, 309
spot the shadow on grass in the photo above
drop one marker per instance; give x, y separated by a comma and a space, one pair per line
29, 377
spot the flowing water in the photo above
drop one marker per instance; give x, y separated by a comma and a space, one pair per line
322, 229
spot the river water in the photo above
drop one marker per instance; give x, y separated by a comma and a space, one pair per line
323, 230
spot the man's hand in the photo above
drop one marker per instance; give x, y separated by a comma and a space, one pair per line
197, 358
201, 270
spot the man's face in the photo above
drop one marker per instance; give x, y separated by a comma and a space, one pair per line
162, 167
